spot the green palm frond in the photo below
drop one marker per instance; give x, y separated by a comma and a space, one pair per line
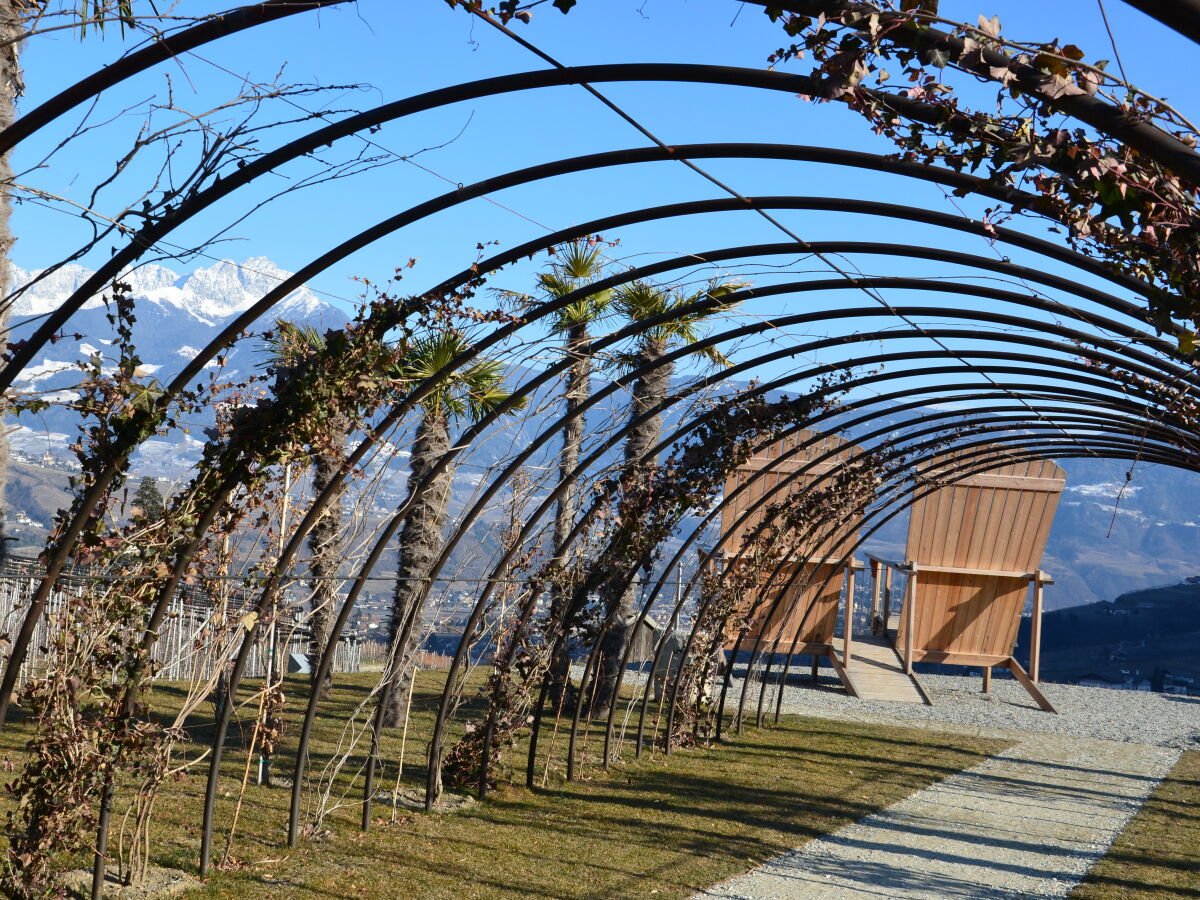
579, 261
641, 301
472, 390
289, 342
575, 266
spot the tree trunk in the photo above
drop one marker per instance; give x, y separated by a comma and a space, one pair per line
12, 15
420, 543
325, 544
621, 604
578, 389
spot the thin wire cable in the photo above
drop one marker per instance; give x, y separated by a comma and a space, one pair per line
712, 179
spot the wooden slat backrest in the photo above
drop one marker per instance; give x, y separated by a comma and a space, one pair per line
807, 613
765, 471
819, 586
994, 521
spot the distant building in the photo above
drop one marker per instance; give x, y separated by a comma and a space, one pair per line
1099, 681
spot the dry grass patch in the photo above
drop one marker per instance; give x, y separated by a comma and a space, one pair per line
1158, 853
661, 826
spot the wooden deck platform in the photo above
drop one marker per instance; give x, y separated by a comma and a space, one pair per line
877, 673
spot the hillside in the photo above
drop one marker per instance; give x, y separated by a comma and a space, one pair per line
1123, 641
1153, 539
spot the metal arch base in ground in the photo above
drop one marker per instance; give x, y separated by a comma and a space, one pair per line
1028, 822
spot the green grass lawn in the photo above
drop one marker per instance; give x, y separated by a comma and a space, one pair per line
662, 827
1158, 853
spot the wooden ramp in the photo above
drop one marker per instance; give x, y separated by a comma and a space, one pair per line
876, 672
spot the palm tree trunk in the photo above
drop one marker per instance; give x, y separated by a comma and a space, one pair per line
325, 544
578, 389
649, 391
420, 542
12, 14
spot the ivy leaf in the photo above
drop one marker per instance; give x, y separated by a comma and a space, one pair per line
936, 58
990, 27
1187, 342
564, 6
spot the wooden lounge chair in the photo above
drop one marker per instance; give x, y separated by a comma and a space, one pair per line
813, 572
974, 549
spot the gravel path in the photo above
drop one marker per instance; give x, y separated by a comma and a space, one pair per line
1028, 822
1139, 717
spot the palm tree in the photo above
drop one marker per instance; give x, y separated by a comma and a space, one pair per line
642, 301
291, 345
469, 393
576, 265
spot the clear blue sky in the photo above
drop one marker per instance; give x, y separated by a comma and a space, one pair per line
398, 49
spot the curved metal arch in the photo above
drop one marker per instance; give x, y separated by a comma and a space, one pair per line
327, 135
870, 415
386, 537
467, 441
1083, 421
593, 78
163, 49
831, 413
987, 452
954, 414
988, 459
389, 111
996, 450
731, 497
806, 348
1031, 359
1179, 372
912, 251
483, 599
71, 532
1004, 432
210, 198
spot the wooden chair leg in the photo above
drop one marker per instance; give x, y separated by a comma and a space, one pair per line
1027, 683
987, 679
816, 665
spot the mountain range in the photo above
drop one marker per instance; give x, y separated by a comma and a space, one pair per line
1152, 538
176, 315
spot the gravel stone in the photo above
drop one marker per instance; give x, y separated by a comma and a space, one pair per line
1140, 717
1028, 822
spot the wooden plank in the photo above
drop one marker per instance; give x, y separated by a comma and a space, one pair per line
842, 674
1013, 482
1035, 641
875, 593
960, 659
964, 570
877, 674
1038, 697
848, 625
910, 619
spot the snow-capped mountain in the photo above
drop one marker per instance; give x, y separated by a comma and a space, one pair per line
210, 296
176, 316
